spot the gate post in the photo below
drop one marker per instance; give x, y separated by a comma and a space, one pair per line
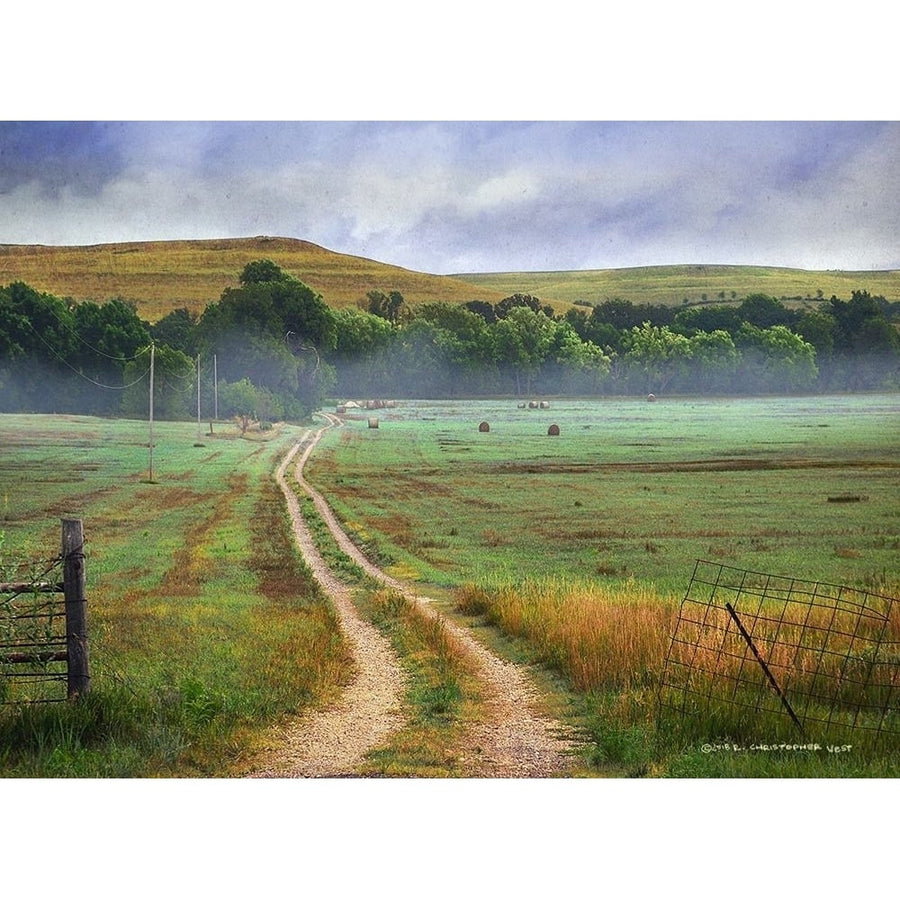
79, 678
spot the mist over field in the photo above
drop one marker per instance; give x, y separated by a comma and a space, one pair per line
272, 348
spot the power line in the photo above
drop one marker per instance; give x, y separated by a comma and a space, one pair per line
65, 362
91, 346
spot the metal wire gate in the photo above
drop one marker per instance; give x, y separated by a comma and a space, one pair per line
750, 649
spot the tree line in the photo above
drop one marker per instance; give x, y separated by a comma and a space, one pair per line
276, 350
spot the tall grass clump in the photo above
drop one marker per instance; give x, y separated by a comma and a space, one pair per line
597, 636
430, 651
611, 645
608, 643
111, 732
837, 665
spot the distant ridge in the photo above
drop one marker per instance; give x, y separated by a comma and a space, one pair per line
672, 285
160, 276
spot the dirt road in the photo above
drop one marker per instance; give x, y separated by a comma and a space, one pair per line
513, 739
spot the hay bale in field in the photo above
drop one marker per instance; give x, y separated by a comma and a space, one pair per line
340, 409
553, 429
651, 398
484, 427
373, 423
521, 406
544, 404
532, 404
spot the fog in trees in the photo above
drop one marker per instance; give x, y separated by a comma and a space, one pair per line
278, 350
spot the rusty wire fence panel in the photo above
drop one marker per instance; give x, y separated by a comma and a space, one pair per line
755, 648
33, 642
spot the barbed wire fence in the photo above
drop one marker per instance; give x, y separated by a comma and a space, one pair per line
759, 653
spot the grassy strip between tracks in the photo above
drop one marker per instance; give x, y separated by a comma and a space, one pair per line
442, 692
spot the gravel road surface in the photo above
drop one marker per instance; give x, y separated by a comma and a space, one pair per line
513, 740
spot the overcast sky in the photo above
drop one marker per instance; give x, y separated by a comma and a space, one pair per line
447, 197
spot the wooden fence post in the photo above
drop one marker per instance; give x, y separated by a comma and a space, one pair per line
79, 678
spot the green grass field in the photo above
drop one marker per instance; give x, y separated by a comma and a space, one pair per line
204, 625
629, 490
577, 548
206, 628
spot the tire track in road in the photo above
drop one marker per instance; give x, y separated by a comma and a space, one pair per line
513, 739
334, 741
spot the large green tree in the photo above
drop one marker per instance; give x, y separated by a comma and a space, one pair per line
657, 355
775, 359
764, 311
174, 385
573, 365
389, 306
715, 360
273, 330
177, 329
521, 342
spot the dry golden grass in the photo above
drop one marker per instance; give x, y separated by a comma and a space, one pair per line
614, 643
160, 276
813, 651
670, 285
597, 636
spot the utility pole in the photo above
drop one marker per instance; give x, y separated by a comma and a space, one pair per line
199, 434
152, 357
215, 389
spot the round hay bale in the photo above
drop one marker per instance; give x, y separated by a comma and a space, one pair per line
532, 404
544, 404
341, 409
521, 406
651, 398
553, 429
373, 423
484, 427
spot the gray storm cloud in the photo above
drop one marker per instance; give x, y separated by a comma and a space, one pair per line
454, 196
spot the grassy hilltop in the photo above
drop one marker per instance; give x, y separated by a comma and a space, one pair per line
160, 276
671, 285
163, 275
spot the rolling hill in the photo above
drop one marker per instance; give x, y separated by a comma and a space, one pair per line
671, 285
160, 276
